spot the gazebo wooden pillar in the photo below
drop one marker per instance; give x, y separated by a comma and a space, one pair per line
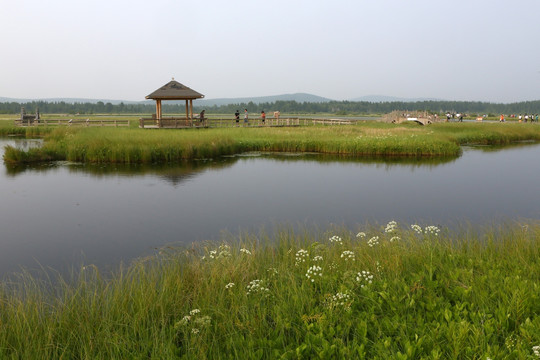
173, 90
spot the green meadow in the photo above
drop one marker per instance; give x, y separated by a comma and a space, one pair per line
365, 138
400, 291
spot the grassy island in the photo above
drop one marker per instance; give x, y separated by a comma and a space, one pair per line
381, 292
133, 145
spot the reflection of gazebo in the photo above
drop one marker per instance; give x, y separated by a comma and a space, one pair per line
173, 90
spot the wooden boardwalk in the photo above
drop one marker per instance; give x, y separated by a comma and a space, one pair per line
183, 123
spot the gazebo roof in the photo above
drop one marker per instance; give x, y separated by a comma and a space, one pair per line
173, 90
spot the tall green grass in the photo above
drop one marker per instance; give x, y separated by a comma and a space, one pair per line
394, 292
133, 145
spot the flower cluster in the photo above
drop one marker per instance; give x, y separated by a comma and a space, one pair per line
256, 286
364, 277
433, 230
373, 241
340, 299
301, 256
417, 228
222, 252
391, 227
229, 286
198, 322
245, 251
317, 258
313, 272
395, 238
336, 239
536, 350
348, 255
510, 342
361, 235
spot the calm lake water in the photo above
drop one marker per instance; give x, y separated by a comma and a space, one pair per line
61, 215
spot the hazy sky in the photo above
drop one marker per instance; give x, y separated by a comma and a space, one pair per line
481, 50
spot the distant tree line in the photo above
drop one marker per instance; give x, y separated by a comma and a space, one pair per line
291, 107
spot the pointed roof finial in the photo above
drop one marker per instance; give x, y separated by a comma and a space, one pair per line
173, 78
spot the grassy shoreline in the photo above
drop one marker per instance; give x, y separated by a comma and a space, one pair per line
399, 292
366, 138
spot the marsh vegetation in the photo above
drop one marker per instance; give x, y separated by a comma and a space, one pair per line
376, 292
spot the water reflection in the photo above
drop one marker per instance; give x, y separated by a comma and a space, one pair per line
178, 172
64, 214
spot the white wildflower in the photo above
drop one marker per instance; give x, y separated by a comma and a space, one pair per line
224, 251
432, 230
510, 342
391, 227
313, 272
229, 285
185, 320
373, 241
336, 239
395, 238
194, 311
301, 256
348, 255
256, 286
340, 299
361, 235
416, 228
317, 258
364, 277
536, 350
245, 251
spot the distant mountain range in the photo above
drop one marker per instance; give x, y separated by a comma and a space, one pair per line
298, 97
383, 98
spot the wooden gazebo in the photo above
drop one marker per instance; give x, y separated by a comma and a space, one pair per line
173, 90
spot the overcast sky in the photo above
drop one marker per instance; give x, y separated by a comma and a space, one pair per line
478, 50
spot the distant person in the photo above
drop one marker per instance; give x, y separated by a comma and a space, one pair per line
237, 117
246, 117
448, 117
519, 117
501, 119
536, 119
202, 116
460, 117
263, 117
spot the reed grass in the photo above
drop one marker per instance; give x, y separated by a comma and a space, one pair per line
133, 145
395, 292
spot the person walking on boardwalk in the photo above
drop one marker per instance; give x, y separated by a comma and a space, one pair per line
246, 117
202, 116
237, 117
263, 117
